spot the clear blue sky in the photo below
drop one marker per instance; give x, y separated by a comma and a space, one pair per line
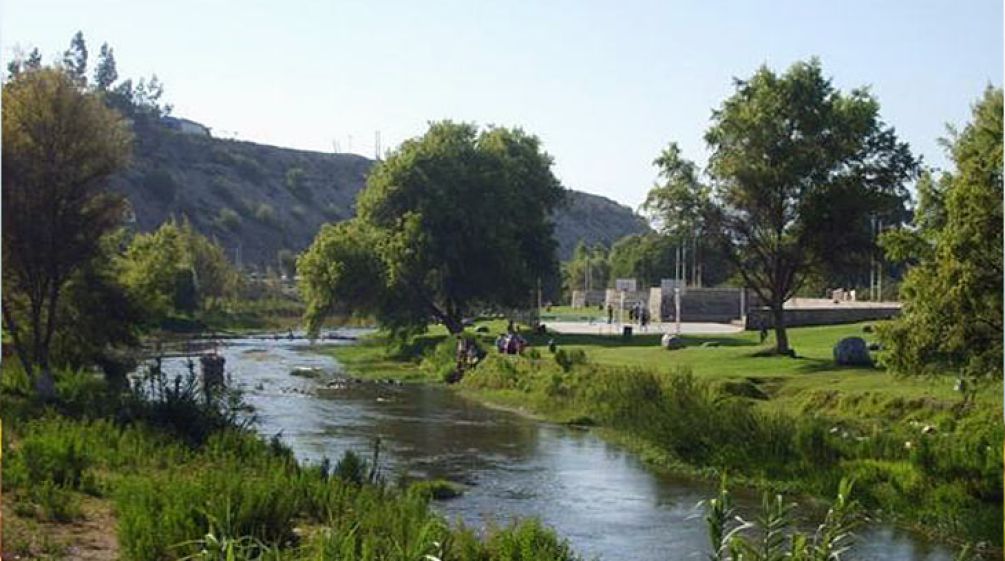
604, 84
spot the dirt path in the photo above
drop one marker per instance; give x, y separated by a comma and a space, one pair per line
91, 538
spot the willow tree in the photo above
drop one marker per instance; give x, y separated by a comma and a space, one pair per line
454, 222
798, 168
60, 146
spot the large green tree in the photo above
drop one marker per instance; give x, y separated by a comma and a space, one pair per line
177, 270
798, 170
60, 146
952, 316
451, 223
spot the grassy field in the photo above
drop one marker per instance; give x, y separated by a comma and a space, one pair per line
811, 383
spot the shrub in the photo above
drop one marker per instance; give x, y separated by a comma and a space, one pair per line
351, 468
249, 168
567, 359
296, 183
228, 219
223, 187
265, 214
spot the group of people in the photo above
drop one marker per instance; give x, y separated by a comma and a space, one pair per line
511, 342
636, 314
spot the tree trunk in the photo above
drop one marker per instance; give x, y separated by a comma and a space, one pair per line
45, 384
22, 353
454, 325
781, 337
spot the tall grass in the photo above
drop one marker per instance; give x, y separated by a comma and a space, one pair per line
949, 481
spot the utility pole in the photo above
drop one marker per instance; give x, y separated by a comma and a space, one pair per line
879, 265
376, 145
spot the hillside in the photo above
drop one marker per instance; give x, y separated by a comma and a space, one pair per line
257, 200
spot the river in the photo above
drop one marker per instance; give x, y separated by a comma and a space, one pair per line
604, 500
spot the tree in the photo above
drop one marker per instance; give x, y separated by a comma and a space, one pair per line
75, 59
798, 169
678, 207
61, 144
105, 73
458, 221
588, 269
952, 315
21, 63
647, 257
177, 270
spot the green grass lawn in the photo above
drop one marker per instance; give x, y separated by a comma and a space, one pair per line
811, 383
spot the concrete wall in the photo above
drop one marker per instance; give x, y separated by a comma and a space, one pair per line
720, 305
795, 317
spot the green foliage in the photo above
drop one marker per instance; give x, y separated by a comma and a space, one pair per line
798, 170
451, 222
351, 468
773, 536
46, 112
75, 59
588, 265
688, 421
265, 214
105, 73
174, 269
224, 187
228, 219
952, 317
296, 183
567, 359
249, 168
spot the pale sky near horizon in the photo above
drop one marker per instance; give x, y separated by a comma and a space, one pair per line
605, 85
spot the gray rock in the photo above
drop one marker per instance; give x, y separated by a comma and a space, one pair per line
852, 351
671, 341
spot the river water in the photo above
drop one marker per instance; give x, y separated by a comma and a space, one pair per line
604, 500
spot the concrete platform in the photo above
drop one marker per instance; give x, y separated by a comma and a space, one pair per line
614, 329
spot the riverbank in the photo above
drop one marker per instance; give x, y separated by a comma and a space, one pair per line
918, 454
165, 474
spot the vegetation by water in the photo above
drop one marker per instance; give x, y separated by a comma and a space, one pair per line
180, 478
916, 450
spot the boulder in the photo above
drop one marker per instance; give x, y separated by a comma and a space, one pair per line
671, 341
852, 351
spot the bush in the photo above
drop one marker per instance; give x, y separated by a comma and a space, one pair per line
296, 184
228, 219
249, 168
265, 214
223, 187
567, 359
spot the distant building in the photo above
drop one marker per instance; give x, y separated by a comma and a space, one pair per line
185, 126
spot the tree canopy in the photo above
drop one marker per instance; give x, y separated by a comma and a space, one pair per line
952, 315
450, 223
60, 146
177, 270
798, 169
